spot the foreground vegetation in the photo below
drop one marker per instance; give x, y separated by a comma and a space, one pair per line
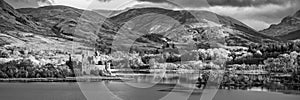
274, 58
26, 69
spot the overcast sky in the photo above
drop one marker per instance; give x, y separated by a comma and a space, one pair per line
258, 14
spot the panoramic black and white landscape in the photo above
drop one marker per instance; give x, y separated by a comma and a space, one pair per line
149, 49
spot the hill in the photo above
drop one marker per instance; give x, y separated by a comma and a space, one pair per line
20, 30
289, 24
138, 28
183, 27
291, 36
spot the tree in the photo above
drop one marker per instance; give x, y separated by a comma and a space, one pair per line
3, 75
190, 56
31, 72
4, 54
24, 64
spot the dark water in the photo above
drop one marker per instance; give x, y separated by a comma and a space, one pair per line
40, 91
119, 90
145, 87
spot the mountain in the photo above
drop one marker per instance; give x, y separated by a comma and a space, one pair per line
289, 24
137, 28
74, 24
182, 26
21, 30
10, 19
291, 36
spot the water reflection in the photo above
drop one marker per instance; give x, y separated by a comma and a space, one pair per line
258, 89
189, 80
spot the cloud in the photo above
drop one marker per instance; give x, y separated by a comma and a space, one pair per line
29, 3
245, 3
49, 2
104, 0
180, 3
260, 17
154, 1
258, 14
45, 2
233, 3
151, 4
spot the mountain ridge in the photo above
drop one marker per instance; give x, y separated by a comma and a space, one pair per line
95, 30
186, 17
287, 25
11, 19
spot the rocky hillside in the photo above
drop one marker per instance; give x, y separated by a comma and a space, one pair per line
289, 24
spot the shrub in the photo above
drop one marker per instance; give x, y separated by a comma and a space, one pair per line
118, 64
190, 56
192, 65
168, 66
4, 54
95, 72
3, 75
24, 63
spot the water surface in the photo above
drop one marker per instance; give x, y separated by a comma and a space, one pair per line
144, 87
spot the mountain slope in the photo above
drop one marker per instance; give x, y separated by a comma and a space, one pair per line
65, 21
140, 28
291, 36
21, 31
287, 25
186, 26
10, 19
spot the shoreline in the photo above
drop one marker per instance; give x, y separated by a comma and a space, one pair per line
96, 78
68, 79
154, 71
